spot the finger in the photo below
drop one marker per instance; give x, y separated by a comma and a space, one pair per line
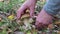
32, 11
20, 11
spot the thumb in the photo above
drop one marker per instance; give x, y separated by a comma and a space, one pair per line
32, 11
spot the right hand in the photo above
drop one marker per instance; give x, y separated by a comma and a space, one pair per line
29, 4
43, 20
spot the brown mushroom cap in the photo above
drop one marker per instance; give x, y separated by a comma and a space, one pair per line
25, 16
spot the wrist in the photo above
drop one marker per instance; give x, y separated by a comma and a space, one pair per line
45, 13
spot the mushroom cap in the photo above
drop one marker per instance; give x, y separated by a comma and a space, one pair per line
25, 16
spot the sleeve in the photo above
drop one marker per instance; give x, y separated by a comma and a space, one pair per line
52, 7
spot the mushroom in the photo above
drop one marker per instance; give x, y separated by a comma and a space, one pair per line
26, 19
25, 16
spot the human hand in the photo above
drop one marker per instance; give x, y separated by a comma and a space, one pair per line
43, 20
29, 4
